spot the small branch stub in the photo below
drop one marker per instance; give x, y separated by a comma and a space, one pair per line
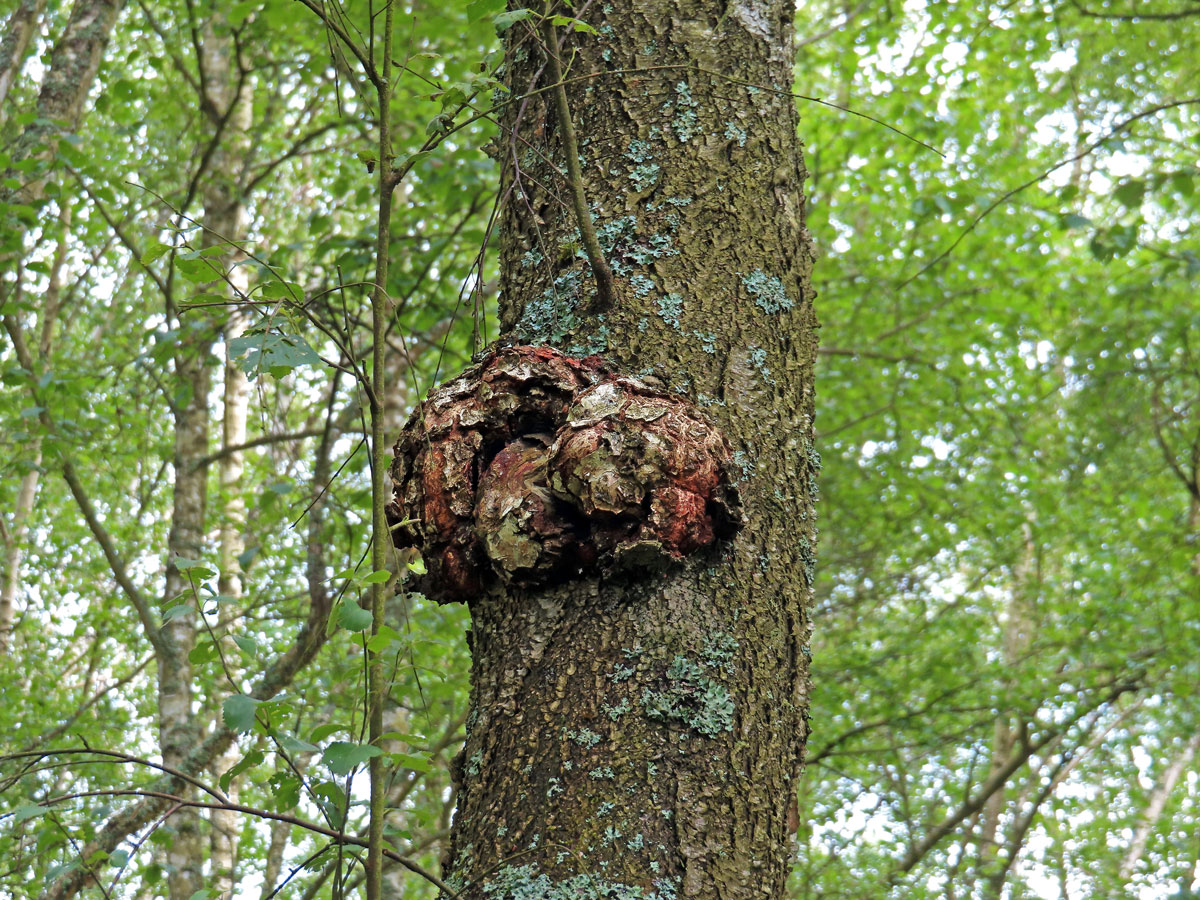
534, 468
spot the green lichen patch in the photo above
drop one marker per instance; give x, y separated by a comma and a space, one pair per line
720, 651
645, 176
685, 122
768, 292
553, 315
642, 286
585, 737
708, 341
758, 356
527, 883
670, 308
692, 698
594, 344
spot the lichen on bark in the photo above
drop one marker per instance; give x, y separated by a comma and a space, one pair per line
534, 467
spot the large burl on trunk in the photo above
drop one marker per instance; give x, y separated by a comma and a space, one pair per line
533, 468
624, 495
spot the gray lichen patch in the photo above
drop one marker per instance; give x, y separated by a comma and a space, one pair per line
690, 697
534, 468
768, 292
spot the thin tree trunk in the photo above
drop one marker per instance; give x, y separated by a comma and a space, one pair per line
1017, 634
15, 535
227, 107
225, 823
644, 733
19, 29
1156, 805
280, 838
73, 65
185, 540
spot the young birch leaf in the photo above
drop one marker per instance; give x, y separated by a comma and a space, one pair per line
353, 617
239, 712
342, 756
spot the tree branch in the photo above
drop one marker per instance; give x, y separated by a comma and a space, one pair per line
583, 214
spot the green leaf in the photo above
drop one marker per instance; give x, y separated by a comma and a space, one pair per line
323, 731
175, 612
333, 801
293, 744
342, 757
239, 712
154, 251
273, 352
249, 646
377, 577
481, 9
1124, 238
240, 12
380, 641
576, 24
1073, 220
507, 20
411, 761
29, 811
1184, 183
285, 787
353, 617
202, 653
283, 290
249, 761
197, 270
1131, 193
412, 159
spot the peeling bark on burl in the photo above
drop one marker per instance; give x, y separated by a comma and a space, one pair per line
533, 468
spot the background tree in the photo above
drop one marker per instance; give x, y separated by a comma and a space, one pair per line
1003, 668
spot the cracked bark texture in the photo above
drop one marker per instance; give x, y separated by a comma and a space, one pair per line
642, 737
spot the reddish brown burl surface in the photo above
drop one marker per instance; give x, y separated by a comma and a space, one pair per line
533, 467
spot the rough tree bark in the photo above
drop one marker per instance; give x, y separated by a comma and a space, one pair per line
637, 724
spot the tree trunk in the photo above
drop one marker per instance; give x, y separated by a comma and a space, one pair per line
73, 65
19, 28
1017, 630
225, 212
15, 536
227, 105
1156, 806
645, 732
